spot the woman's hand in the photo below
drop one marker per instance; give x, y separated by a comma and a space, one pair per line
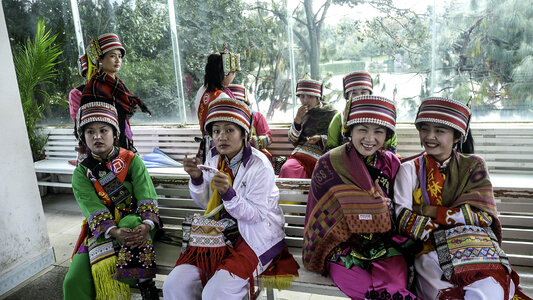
300, 114
140, 236
221, 182
124, 235
190, 165
314, 139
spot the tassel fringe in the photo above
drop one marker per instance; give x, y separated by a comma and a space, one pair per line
207, 259
106, 287
280, 282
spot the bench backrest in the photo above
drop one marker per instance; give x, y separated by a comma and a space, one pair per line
505, 148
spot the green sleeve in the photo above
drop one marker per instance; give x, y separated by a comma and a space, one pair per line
392, 143
334, 131
143, 188
144, 191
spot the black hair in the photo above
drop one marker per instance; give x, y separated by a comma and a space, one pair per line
214, 73
468, 146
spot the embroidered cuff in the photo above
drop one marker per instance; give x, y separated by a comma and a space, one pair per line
197, 181
445, 215
100, 222
148, 210
230, 193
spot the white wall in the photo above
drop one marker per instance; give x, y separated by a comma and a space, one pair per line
24, 245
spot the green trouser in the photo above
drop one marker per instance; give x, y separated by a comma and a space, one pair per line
78, 283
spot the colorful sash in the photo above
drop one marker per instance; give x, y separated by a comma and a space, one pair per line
341, 203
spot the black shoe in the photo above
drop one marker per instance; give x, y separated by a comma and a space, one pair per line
148, 290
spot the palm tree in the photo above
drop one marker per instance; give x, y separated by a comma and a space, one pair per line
35, 63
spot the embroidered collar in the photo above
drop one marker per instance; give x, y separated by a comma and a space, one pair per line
246, 153
112, 154
235, 161
442, 166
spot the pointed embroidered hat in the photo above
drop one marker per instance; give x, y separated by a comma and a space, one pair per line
231, 62
357, 80
370, 109
444, 111
97, 112
229, 110
309, 87
83, 65
239, 91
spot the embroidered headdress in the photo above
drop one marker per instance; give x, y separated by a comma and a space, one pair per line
97, 112
230, 110
444, 111
370, 109
231, 62
309, 87
239, 91
357, 80
83, 65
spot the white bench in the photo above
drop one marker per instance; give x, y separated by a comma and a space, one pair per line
515, 209
512, 189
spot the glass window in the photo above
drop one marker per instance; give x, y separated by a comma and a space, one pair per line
465, 49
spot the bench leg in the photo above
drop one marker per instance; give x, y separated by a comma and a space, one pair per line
271, 294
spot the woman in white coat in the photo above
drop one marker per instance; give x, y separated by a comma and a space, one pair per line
242, 179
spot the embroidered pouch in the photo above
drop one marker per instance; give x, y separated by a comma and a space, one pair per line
205, 231
467, 247
99, 251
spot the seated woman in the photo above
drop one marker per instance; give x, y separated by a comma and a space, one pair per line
444, 198
349, 232
354, 84
243, 183
260, 136
116, 195
308, 132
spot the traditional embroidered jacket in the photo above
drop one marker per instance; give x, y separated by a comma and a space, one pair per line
463, 195
342, 209
106, 201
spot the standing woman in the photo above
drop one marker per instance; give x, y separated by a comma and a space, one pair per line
349, 232
308, 132
105, 56
243, 182
444, 198
219, 73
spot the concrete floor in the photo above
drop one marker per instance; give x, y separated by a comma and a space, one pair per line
63, 219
